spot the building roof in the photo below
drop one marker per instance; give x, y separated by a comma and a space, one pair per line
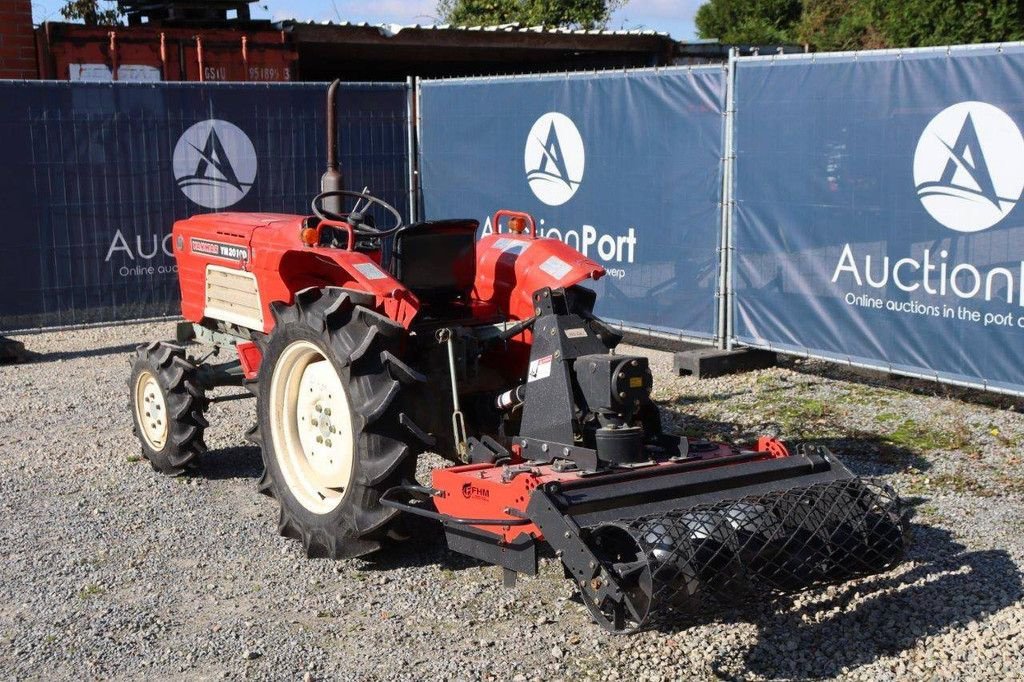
387, 51
389, 30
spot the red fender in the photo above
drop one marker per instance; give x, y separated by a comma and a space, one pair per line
511, 267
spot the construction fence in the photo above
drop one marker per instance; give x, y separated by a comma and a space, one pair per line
857, 207
96, 174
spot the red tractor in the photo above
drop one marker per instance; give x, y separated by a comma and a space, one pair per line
366, 345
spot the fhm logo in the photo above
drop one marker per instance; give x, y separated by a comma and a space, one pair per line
214, 163
554, 158
969, 166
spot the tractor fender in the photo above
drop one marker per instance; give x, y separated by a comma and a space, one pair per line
511, 267
289, 271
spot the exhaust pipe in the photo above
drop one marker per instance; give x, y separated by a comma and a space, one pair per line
332, 178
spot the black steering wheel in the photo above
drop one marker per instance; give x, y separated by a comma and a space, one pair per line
357, 218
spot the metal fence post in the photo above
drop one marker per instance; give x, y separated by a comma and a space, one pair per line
411, 148
724, 326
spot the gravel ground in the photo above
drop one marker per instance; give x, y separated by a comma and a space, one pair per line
111, 571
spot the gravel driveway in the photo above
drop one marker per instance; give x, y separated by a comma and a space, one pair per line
111, 571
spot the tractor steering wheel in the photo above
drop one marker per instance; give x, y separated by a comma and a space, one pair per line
357, 218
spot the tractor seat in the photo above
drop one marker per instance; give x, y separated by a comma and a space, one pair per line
436, 260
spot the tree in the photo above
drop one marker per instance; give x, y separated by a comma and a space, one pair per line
866, 24
913, 23
90, 12
586, 14
862, 24
748, 21
833, 25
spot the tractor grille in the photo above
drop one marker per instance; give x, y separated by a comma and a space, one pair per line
233, 296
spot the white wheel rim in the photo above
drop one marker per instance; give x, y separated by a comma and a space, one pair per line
311, 427
151, 411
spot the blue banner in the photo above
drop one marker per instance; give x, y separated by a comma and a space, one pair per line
623, 166
96, 175
876, 214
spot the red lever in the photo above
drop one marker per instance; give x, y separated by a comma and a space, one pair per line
330, 223
505, 213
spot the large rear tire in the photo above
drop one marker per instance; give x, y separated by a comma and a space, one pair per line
167, 405
331, 425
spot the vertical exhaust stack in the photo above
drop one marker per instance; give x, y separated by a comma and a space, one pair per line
332, 178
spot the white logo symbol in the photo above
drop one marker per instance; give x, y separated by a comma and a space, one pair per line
214, 163
554, 158
969, 166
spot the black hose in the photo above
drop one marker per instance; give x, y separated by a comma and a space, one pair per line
517, 329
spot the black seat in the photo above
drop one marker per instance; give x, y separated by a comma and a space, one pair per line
436, 259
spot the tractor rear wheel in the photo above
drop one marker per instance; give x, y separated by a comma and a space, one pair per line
167, 407
331, 422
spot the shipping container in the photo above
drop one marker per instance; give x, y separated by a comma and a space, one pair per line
165, 53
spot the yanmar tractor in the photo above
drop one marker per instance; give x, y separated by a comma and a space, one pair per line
366, 345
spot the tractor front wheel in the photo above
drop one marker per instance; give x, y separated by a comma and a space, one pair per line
330, 422
167, 404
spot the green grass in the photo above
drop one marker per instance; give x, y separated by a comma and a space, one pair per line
807, 417
1010, 483
957, 482
865, 395
802, 412
1001, 438
914, 435
90, 591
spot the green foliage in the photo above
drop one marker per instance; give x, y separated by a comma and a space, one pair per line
862, 24
832, 25
91, 13
866, 24
748, 21
551, 13
948, 22
90, 591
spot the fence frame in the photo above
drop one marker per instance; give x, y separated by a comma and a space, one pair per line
725, 294
803, 352
398, 171
718, 337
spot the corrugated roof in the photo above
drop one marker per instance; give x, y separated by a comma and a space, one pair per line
390, 30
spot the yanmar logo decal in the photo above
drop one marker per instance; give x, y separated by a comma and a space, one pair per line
219, 250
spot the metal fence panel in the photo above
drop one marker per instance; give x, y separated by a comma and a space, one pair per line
96, 174
874, 217
624, 166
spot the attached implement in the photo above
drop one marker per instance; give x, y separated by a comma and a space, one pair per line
368, 345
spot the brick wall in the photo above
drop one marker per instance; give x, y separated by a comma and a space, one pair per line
17, 40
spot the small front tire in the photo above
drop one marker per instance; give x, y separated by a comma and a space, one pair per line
167, 405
